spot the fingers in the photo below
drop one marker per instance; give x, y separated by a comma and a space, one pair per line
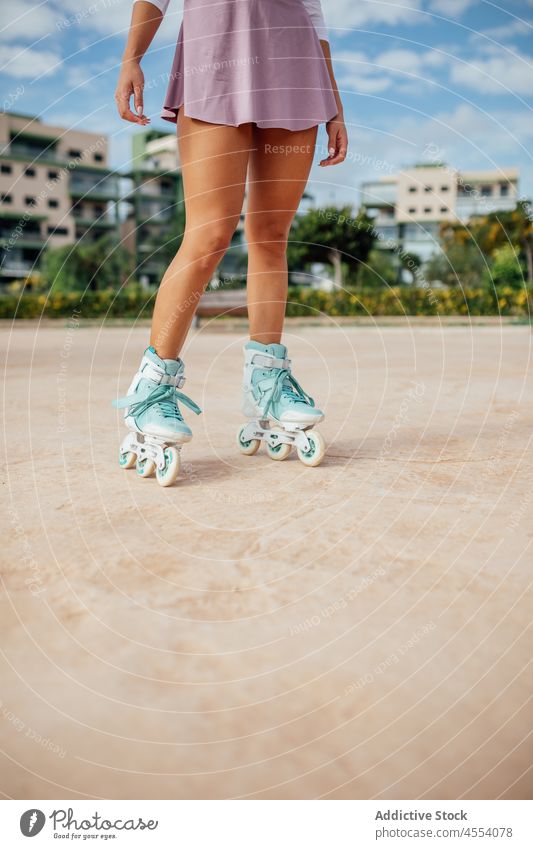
122, 98
337, 147
339, 156
138, 100
332, 145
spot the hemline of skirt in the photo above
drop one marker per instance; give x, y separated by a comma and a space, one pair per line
170, 113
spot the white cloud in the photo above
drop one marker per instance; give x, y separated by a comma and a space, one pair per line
346, 14
110, 17
405, 71
27, 63
356, 72
28, 21
499, 73
509, 30
451, 8
468, 137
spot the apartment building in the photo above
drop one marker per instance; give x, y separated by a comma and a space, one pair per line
410, 208
55, 188
154, 218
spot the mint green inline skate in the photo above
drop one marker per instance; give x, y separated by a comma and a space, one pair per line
155, 421
281, 414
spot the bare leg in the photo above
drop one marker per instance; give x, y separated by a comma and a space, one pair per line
214, 162
276, 184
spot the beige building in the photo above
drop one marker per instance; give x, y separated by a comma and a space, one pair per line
154, 212
409, 208
55, 188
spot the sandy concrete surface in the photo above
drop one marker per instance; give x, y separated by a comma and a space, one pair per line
262, 629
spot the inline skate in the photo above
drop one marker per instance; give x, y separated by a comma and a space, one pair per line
152, 414
281, 414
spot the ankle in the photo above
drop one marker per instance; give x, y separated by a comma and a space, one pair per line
266, 338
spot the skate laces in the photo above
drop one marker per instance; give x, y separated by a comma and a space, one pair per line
286, 385
166, 396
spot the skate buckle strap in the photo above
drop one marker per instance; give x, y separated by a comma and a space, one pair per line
152, 372
268, 361
141, 401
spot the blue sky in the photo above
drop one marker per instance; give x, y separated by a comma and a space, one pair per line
447, 76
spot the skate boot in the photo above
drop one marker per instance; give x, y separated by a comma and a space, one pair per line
157, 429
281, 413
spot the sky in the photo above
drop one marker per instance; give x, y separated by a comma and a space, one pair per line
421, 80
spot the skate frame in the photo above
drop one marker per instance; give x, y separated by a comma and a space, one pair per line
289, 433
147, 448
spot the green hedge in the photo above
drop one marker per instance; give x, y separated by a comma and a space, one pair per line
407, 300
402, 300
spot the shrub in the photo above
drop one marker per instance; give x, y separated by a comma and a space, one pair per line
134, 303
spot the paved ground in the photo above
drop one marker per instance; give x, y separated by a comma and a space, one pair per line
262, 629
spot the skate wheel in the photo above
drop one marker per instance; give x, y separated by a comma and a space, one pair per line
127, 459
167, 475
248, 447
280, 451
317, 449
145, 468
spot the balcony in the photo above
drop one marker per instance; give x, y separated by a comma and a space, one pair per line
32, 154
156, 213
17, 267
376, 195
102, 223
470, 205
92, 190
155, 190
420, 233
29, 240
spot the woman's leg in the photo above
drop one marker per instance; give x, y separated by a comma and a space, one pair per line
280, 162
214, 161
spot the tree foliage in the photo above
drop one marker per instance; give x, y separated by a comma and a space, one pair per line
332, 235
487, 234
98, 265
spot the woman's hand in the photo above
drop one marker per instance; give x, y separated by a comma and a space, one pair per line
131, 82
337, 141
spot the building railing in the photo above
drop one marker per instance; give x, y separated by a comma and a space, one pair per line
81, 188
376, 195
469, 205
27, 152
14, 266
18, 236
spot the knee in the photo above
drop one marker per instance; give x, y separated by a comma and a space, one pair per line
267, 235
209, 244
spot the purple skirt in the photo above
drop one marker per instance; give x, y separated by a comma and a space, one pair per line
250, 61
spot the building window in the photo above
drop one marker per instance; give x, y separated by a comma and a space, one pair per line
444, 209
29, 172
6, 169
412, 210
504, 190
29, 200
98, 157
427, 210
6, 198
444, 188
58, 231
52, 175
428, 188
53, 203
412, 188
486, 191
76, 154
